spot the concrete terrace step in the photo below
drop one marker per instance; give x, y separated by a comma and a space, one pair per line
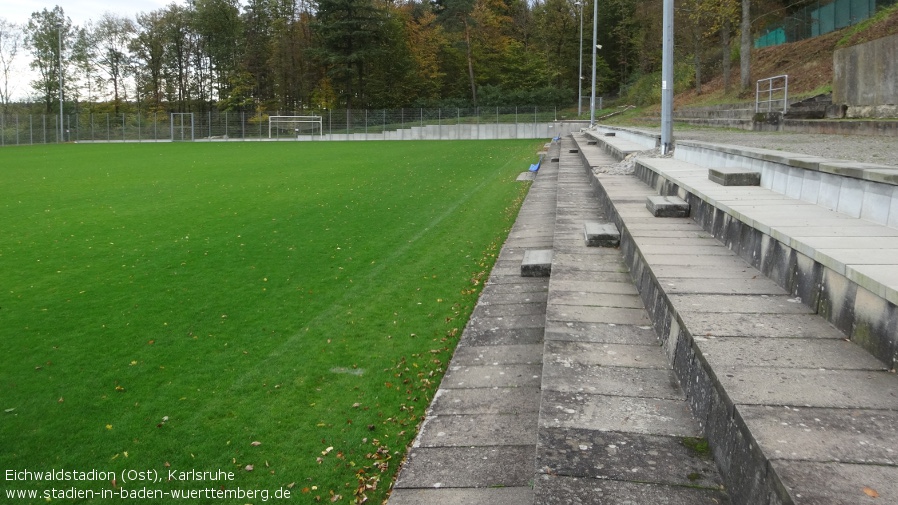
614, 425
794, 413
478, 442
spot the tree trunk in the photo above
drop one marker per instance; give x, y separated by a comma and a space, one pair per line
470, 61
745, 47
697, 59
725, 43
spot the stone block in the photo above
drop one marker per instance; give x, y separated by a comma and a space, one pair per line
537, 263
729, 176
601, 234
667, 206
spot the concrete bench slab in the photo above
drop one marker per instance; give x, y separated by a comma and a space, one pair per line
730, 176
526, 176
667, 206
601, 234
537, 263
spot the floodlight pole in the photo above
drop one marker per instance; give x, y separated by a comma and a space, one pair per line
580, 71
61, 122
667, 79
595, 42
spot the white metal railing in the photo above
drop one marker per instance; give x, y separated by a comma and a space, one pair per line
776, 89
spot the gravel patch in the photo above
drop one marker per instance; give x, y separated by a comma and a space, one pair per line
866, 149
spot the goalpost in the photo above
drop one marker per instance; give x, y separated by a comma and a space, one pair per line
182, 126
295, 124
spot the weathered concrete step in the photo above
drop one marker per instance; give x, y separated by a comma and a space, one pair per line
667, 206
787, 404
601, 234
614, 422
537, 263
729, 176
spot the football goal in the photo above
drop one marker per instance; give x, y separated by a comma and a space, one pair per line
182, 126
294, 125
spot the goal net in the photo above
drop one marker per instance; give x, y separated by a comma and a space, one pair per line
182, 126
294, 126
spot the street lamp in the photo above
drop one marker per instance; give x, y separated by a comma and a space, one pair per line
61, 122
580, 71
595, 45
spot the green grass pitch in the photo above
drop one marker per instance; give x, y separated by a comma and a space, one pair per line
282, 311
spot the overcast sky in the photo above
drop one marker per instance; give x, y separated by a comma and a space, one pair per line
18, 11
80, 12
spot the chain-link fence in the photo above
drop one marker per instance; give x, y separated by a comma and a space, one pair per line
483, 122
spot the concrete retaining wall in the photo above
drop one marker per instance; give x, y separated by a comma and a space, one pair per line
462, 132
865, 77
860, 190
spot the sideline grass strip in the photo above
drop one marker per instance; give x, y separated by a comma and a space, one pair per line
280, 311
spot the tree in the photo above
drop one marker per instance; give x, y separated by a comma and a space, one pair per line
148, 50
10, 42
44, 33
350, 33
219, 26
111, 40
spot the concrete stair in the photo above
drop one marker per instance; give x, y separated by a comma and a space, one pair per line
793, 410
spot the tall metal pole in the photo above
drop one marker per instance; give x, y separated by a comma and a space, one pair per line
595, 45
580, 71
667, 79
61, 125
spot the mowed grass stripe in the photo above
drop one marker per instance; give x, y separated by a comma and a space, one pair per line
300, 295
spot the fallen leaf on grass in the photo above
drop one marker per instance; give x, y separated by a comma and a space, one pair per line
256, 443
248, 468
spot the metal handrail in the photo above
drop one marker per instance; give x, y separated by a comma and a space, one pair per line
770, 89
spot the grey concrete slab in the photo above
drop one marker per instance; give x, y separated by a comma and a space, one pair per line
495, 298
719, 271
505, 466
838, 483
462, 376
726, 352
750, 325
746, 304
810, 387
626, 457
756, 285
560, 490
491, 400
686, 250
537, 263
576, 313
595, 286
604, 354
577, 275
597, 234
515, 285
572, 377
707, 262
478, 430
582, 269
601, 332
502, 336
522, 495
630, 301
506, 322
657, 416
729, 176
496, 354
667, 206
510, 309
820, 434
